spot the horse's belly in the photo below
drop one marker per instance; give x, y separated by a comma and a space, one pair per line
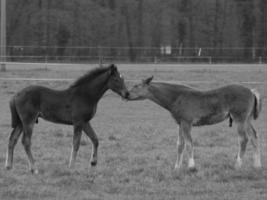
55, 118
210, 119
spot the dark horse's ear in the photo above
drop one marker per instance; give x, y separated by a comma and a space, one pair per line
148, 80
113, 68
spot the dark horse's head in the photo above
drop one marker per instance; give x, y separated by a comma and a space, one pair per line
116, 82
106, 77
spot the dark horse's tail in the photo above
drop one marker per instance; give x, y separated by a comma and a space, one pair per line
15, 120
257, 104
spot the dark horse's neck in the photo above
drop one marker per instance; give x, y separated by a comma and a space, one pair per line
92, 87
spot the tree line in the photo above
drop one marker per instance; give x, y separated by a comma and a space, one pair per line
126, 28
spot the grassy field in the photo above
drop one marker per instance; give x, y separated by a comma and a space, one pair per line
137, 145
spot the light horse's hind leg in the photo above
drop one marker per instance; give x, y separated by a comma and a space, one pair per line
254, 140
243, 140
13, 139
91, 134
26, 141
180, 149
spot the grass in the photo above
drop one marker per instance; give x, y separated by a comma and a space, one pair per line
137, 148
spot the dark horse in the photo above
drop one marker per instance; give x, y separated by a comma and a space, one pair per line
191, 107
75, 106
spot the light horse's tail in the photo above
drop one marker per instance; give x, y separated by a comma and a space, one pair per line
257, 104
15, 120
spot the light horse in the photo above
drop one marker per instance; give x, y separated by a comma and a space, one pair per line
191, 107
75, 106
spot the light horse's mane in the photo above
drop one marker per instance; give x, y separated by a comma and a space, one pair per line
89, 76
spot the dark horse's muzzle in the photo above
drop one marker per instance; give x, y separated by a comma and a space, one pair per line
125, 95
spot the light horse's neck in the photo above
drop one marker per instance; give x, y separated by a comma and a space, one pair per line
161, 94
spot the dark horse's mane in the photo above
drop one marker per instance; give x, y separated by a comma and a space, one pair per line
90, 75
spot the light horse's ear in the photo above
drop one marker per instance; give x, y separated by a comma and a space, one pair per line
148, 80
113, 69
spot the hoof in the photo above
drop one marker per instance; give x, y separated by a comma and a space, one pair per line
192, 169
257, 166
177, 167
257, 163
34, 171
237, 166
8, 167
93, 163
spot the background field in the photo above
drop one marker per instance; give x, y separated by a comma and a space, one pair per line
137, 142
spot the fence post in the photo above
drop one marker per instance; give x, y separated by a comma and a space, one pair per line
3, 67
155, 60
210, 60
100, 57
46, 67
260, 60
3, 36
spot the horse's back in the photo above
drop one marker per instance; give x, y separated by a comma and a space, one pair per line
205, 107
236, 99
237, 95
29, 101
36, 93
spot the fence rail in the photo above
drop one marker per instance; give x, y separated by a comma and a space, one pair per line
165, 54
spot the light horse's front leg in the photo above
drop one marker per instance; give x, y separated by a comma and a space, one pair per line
184, 138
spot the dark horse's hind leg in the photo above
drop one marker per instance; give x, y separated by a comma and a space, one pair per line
91, 134
26, 141
13, 139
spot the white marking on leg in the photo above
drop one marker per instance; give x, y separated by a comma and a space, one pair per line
72, 158
191, 163
179, 161
257, 160
238, 162
8, 162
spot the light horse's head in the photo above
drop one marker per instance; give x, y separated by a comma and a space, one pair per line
116, 82
140, 91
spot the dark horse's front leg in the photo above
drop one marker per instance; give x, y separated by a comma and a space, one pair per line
77, 133
92, 135
76, 143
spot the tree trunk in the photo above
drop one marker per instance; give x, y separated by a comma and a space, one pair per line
221, 32
246, 10
182, 25
132, 54
216, 27
262, 24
